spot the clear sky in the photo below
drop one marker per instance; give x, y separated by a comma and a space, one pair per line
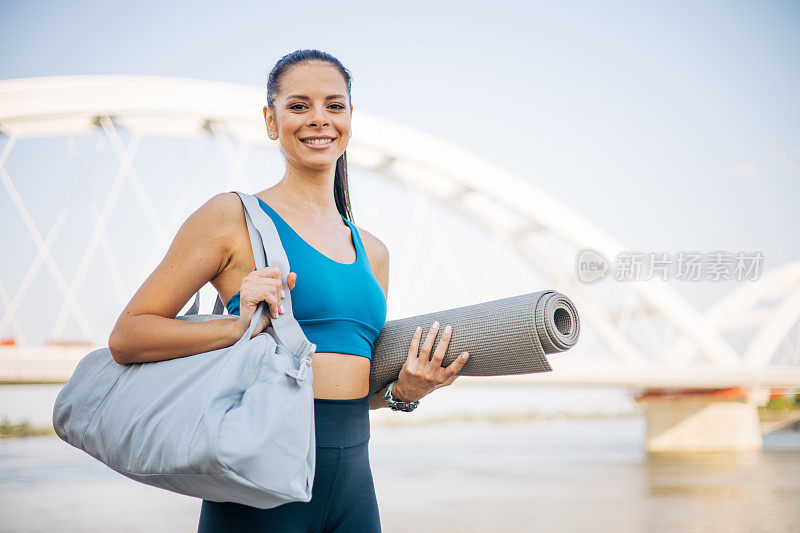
673, 126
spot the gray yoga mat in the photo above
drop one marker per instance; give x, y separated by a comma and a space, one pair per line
503, 337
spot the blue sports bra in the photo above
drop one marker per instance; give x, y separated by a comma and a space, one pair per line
340, 307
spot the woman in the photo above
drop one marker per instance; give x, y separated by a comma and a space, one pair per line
339, 301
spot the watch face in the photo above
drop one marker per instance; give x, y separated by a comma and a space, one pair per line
404, 406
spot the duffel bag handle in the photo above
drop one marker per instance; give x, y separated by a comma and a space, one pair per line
268, 250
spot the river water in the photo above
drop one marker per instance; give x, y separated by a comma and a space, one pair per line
569, 474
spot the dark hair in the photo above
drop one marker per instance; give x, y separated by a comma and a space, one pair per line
341, 193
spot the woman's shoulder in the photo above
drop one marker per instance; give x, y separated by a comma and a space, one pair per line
224, 205
221, 219
373, 245
223, 214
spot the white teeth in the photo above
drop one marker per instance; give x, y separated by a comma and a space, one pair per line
318, 141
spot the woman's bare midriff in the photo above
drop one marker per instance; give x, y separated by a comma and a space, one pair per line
340, 376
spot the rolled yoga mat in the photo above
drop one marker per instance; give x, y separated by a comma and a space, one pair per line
503, 337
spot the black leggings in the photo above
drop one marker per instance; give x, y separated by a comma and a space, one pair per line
342, 496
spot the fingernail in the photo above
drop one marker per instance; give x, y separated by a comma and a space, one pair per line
436, 324
275, 314
419, 329
448, 329
464, 355
283, 293
282, 309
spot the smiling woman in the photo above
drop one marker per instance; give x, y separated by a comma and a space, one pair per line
308, 111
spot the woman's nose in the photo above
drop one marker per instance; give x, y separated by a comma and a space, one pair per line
318, 118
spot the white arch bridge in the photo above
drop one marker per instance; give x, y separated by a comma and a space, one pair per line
637, 333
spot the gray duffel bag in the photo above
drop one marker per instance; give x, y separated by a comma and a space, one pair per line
233, 425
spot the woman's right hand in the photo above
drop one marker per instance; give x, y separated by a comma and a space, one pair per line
262, 285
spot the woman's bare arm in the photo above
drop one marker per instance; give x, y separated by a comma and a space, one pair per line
146, 329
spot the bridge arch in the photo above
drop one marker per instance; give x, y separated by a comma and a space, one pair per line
541, 229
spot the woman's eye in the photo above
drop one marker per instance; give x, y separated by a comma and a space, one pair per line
295, 106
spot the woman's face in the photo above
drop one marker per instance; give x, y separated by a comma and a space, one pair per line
312, 102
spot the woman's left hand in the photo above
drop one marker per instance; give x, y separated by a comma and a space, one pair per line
422, 374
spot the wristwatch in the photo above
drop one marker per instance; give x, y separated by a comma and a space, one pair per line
396, 405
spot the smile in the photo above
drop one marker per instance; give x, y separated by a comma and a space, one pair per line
323, 142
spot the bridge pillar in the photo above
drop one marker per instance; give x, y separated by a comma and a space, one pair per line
701, 420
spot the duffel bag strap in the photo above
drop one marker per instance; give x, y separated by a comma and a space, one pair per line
268, 250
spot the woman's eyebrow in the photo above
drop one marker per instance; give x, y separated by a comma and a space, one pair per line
304, 97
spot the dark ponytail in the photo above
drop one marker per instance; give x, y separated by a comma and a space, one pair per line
341, 193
